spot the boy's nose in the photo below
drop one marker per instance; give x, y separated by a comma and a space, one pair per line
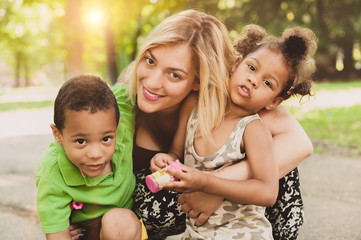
94, 152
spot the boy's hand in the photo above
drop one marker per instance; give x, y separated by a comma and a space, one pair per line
161, 160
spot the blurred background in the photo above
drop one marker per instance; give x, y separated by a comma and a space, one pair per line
44, 42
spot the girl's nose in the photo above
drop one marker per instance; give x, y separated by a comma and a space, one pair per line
252, 80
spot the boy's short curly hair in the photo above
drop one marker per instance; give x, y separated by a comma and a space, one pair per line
83, 93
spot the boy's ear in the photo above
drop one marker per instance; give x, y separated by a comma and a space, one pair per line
236, 64
277, 101
56, 134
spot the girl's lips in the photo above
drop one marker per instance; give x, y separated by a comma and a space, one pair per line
244, 91
150, 95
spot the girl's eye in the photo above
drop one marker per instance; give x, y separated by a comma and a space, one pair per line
268, 83
175, 76
252, 68
106, 139
80, 141
149, 61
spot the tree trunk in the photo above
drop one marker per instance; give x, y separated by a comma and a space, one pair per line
73, 37
111, 55
17, 69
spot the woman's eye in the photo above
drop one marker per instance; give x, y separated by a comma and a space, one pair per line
80, 141
252, 68
149, 61
106, 139
175, 76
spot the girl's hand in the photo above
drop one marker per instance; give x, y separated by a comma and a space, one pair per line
190, 179
161, 160
199, 205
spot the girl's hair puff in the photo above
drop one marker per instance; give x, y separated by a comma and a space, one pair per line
297, 45
213, 58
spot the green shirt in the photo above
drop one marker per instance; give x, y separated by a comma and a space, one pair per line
59, 181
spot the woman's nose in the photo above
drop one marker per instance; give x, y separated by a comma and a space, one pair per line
155, 80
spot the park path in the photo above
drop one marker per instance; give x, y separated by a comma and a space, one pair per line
331, 184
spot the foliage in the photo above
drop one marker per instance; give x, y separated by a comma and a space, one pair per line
34, 33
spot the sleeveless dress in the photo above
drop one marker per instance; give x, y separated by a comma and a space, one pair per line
163, 217
231, 220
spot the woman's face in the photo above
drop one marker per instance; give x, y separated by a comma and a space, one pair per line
165, 76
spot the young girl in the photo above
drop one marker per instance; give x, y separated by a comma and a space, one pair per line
269, 71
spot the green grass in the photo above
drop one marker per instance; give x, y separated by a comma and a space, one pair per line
12, 106
338, 85
333, 126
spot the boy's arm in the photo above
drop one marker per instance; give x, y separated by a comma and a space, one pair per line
261, 190
63, 235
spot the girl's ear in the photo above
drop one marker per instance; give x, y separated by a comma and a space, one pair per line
236, 64
277, 101
56, 134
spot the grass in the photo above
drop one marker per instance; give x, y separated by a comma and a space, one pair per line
338, 85
338, 127
12, 106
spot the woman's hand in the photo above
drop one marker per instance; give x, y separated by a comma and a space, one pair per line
199, 205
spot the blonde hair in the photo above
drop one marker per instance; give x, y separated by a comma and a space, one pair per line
297, 46
213, 57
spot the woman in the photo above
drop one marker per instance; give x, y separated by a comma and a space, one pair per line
182, 55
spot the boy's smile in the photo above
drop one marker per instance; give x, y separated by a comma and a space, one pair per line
89, 140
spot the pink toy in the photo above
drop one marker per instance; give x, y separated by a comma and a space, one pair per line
153, 180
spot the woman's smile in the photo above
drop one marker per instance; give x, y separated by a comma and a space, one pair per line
150, 95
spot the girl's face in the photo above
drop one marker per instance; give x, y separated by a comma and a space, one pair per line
257, 80
165, 76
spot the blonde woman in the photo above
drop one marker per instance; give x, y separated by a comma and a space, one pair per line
185, 54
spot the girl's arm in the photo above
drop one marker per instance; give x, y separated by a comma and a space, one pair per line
176, 151
290, 143
262, 189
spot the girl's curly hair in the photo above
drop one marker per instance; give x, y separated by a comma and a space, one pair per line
297, 45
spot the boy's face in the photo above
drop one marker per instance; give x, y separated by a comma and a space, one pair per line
89, 140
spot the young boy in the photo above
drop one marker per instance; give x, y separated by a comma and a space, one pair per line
85, 176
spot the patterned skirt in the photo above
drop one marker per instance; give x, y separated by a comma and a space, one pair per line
162, 215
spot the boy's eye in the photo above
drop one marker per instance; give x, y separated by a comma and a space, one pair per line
106, 139
252, 68
80, 141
